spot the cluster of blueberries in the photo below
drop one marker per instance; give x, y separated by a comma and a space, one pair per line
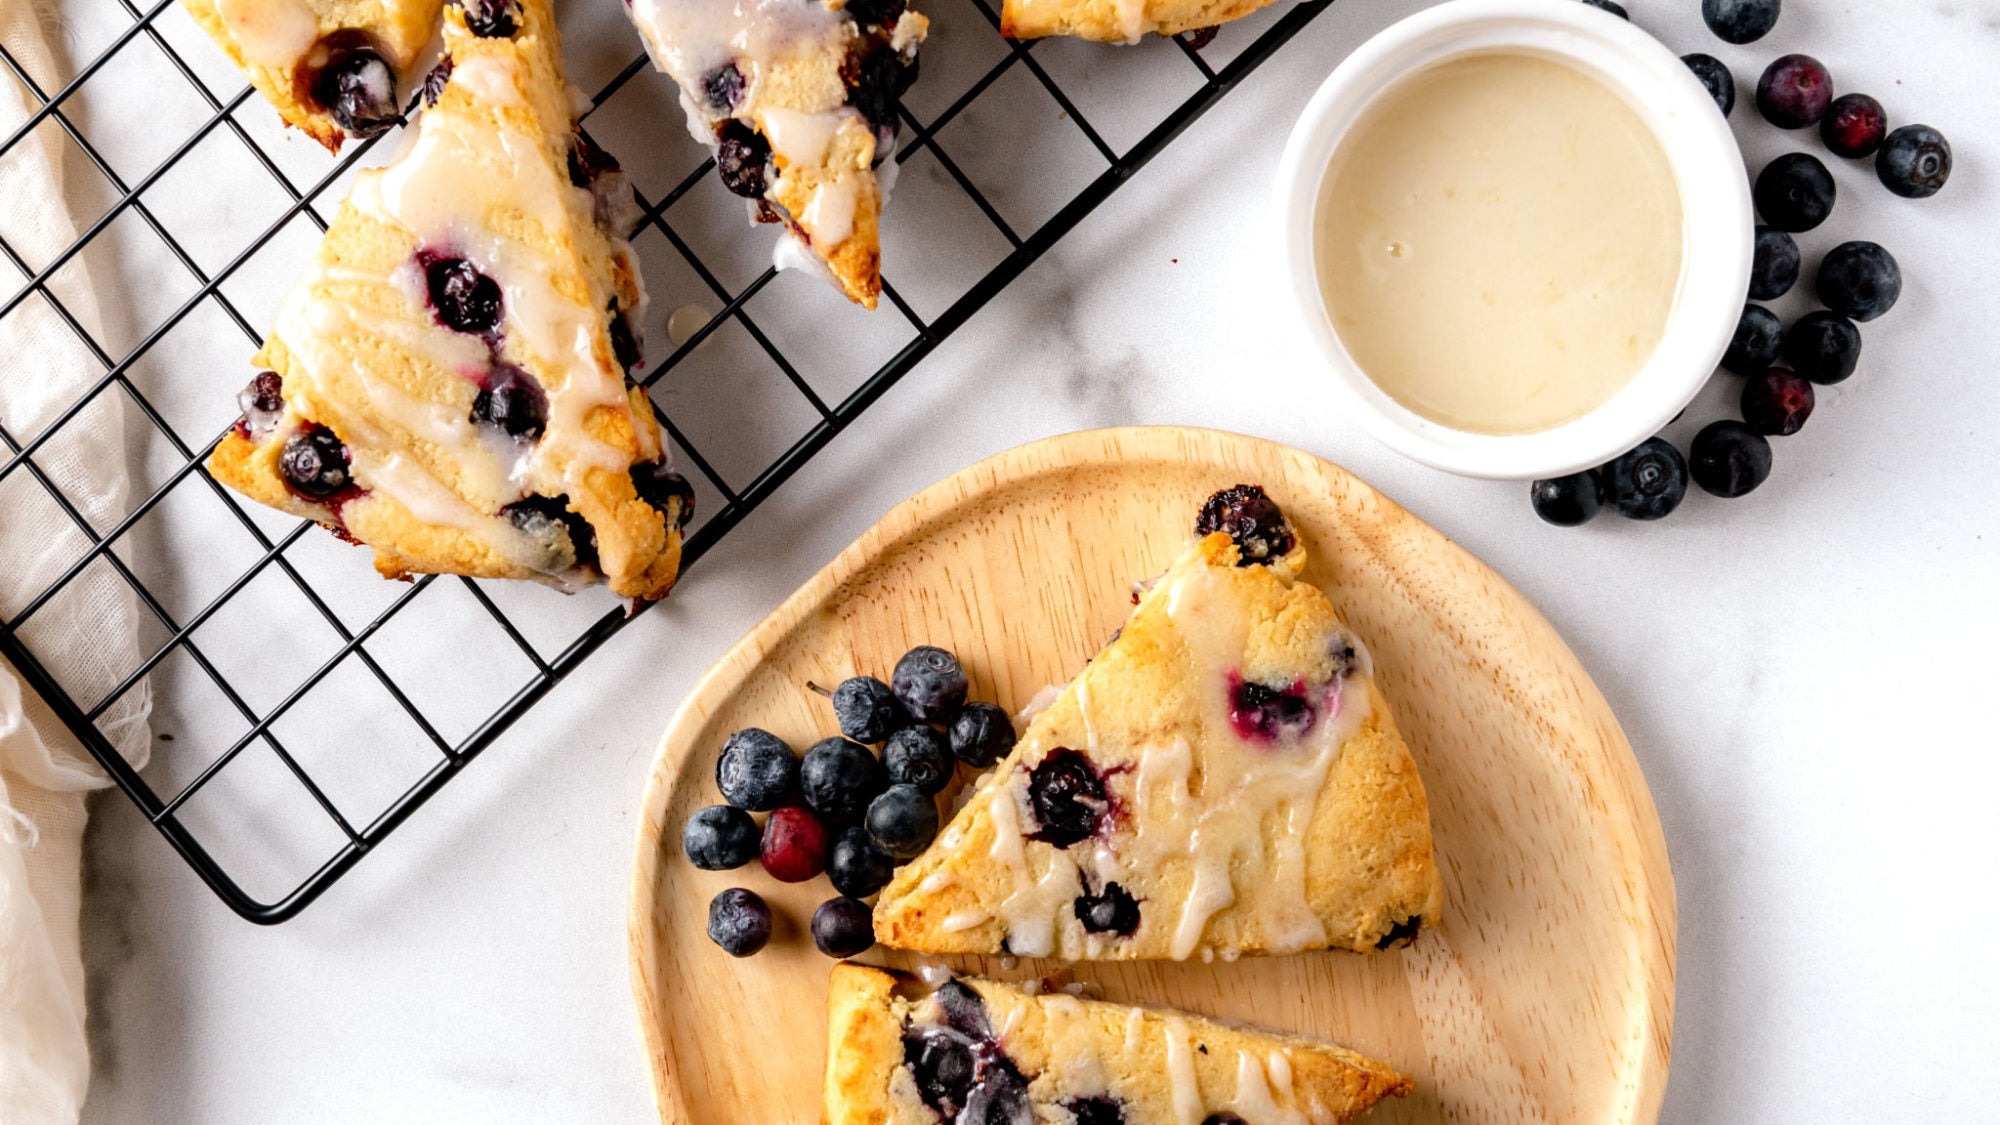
1856, 282
842, 809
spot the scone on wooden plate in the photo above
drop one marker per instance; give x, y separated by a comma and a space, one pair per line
333, 67
983, 1051
1117, 21
448, 383
1222, 779
798, 99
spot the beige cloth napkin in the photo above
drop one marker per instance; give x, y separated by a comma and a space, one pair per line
87, 638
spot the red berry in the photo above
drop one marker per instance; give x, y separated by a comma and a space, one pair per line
1854, 125
1777, 403
794, 845
1794, 92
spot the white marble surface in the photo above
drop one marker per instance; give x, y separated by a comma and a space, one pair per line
1806, 675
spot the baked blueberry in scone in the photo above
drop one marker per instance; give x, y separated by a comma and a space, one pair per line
448, 384
1117, 21
1224, 778
798, 99
977, 1052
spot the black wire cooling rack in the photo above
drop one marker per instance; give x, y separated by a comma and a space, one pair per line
984, 211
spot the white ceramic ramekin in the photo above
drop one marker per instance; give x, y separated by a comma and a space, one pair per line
1715, 204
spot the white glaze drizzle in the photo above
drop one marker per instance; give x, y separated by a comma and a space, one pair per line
1181, 1082
275, 34
1253, 1101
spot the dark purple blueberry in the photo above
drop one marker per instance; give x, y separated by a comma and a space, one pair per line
1774, 264
740, 156
1068, 798
1794, 192
1104, 1110
1755, 344
855, 865
262, 403
1740, 21
875, 84
1859, 280
492, 19
1729, 458
463, 299
1611, 6
1401, 933
512, 402
878, 13
1823, 346
1715, 77
1000, 1098
434, 81
624, 341
721, 838
314, 464
1198, 37
963, 1010
1223, 1119
549, 521
723, 87
903, 820
930, 683
1777, 402
358, 90
1567, 501
1252, 519
944, 1066
1112, 911
1648, 482
1854, 125
1794, 91
1270, 714
1342, 657
739, 922
1914, 162
867, 710
843, 927
588, 160
981, 735
794, 845
756, 770
919, 755
839, 778
662, 487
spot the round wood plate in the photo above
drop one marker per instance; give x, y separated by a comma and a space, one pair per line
1547, 994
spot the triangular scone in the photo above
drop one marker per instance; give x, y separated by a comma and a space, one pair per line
983, 1051
799, 101
330, 67
448, 384
1117, 21
1222, 779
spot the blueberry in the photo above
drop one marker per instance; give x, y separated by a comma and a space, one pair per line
463, 299
843, 927
879, 13
944, 1066
739, 922
1914, 162
512, 402
1777, 402
1859, 280
1223, 1119
662, 487
1402, 932
262, 403
867, 710
1756, 342
839, 778
720, 838
1729, 458
1794, 92
358, 90
1854, 125
1000, 1098
1567, 501
1252, 519
434, 81
314, 464
903, 820
1823, 346
1270, 714
587, 160
1095, 1111
1067, 796
1716, 77
756, 770
1611, 6
492, 19
930, 683
875, 84
549, 521
1113, 911
794, 845
920, 756
1740, 21
981, 735
1648, 482
740, 156
624, 340
1794, 192
1774, 264
856, 866
723, 87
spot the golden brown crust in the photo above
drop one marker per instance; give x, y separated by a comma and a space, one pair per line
863, 1042
1111, 21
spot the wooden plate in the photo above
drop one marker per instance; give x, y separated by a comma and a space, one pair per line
1546, 996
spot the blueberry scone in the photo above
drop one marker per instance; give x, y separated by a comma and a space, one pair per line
798, 99
1222, 779
1117, 21
981, 1051
333, 67
449, 384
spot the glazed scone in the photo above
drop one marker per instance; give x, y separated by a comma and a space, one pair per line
333, 67
798, 99
448, 383
985, 1052
1222, 779
1117, 21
